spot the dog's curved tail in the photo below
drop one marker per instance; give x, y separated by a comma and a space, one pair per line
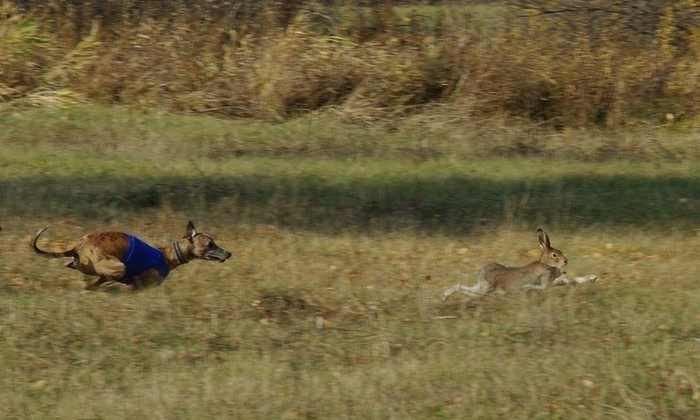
48, 254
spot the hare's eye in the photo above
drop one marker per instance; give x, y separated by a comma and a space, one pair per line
554, 254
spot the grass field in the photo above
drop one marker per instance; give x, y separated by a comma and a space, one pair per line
343, 239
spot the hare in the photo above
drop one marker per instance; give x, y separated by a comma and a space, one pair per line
537, 275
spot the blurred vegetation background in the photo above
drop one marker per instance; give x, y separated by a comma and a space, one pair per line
357, 158
562, 63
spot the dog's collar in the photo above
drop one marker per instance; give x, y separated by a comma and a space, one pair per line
179, 253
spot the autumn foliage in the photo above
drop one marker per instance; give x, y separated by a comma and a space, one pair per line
562, 63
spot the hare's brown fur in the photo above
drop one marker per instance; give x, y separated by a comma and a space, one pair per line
537, 275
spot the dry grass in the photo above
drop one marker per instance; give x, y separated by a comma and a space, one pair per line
330, 306
241, 339
470, 126
581, 68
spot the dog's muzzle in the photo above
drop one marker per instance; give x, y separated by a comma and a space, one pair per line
220, 255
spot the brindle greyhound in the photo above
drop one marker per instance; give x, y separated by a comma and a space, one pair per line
121, 257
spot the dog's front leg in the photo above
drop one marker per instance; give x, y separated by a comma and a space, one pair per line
147, 279
91, 286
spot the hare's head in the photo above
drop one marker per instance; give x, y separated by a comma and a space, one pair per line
550, 256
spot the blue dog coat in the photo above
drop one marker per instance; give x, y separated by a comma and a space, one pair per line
142, 257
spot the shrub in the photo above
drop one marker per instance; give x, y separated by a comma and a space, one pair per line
562, 63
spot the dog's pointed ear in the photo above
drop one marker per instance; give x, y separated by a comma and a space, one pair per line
191, 231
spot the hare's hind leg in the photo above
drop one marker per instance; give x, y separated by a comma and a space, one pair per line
467, 290
480, 288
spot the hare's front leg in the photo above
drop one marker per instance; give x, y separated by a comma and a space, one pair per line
564, 280
586, 279
534, 287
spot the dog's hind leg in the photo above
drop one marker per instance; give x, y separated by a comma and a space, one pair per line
108, 267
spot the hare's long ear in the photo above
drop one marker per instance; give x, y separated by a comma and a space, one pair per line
543, 240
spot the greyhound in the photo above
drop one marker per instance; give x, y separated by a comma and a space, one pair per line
124, 258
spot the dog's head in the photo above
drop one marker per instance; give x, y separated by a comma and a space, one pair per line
204, 247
